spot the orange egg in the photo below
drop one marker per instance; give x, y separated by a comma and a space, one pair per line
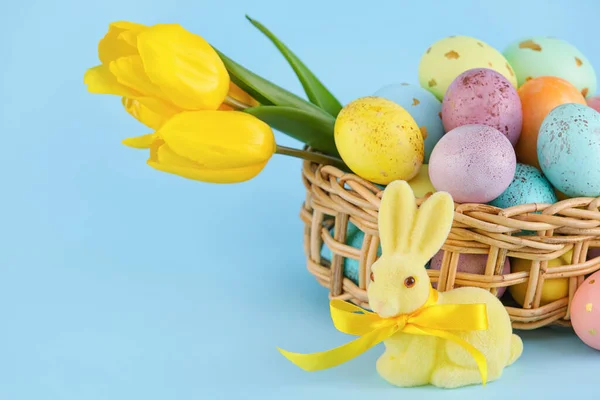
538, 97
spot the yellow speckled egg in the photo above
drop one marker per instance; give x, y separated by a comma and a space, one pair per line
450, 57
379, 140
553, 289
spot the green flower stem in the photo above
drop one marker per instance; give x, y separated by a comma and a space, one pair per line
312, 156
235, 104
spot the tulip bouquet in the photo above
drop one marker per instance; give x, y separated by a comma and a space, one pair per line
212, 118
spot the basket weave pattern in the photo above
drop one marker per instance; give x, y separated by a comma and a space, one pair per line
334, 198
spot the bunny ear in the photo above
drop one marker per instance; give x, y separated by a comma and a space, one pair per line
396, 217
433, 224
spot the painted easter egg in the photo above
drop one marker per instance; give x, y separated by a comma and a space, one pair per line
471, 264
539, 96
483, 96
451, 56
594, 102
474, 163
544, 56
569, 150
553, 289
527, 187
379, 140
585, 311
423, 106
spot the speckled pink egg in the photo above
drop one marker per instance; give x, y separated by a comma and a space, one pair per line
483, 96
474, 163
594, 102
585, 311
470, 263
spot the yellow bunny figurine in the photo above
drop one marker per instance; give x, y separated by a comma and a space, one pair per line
400, 285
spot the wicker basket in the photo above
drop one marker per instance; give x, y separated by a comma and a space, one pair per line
334, 198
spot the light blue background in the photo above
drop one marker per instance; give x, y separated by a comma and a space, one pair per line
120, 282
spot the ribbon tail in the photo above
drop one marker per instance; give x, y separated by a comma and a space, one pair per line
476, 354
339, 355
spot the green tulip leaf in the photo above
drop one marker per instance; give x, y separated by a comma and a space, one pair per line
309, 128
315, 90
266, 92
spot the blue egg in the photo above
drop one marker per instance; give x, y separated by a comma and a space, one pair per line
422, 105
527, 187
568, 150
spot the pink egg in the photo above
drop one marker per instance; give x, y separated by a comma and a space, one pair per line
594, 102
474, 163
470, 263
585, 311
483, 96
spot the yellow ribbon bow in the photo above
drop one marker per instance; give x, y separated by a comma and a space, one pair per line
431, 319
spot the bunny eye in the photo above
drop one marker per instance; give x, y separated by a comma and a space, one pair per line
372, 277
410, 282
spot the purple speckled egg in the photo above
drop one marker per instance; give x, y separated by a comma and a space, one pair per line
483, 96
474, 163
471, 264
594, 102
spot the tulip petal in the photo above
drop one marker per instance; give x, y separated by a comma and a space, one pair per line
149, 111
130, 72
217, 139
118, 41
100, 80
187, 69
237, 93
164, 159
140, 142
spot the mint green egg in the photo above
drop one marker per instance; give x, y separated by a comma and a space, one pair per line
537, 56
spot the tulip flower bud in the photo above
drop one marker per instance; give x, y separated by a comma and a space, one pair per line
163, 68
212, 146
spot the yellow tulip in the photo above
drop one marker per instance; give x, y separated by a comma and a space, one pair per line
210, 146
159, 70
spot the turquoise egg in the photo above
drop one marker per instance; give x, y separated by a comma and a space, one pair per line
354, 238
537, 56
422, 105
568, 149
527, 187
